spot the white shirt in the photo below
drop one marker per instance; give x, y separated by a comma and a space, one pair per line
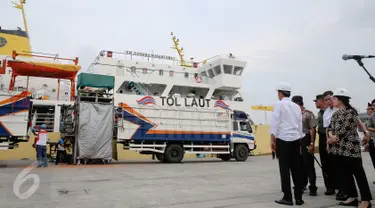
287, 121
42, 139
327, 115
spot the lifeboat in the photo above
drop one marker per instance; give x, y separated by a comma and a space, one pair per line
37, 68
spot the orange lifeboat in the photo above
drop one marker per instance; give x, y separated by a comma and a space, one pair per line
37, 68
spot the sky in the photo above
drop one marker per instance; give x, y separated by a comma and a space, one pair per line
300, 42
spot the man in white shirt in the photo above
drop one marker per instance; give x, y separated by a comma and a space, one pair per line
41, 146
286, 132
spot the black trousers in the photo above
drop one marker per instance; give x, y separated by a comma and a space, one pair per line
290, 161
59, 155
308, 164
353, 167
340, 174
326, 161
371, 150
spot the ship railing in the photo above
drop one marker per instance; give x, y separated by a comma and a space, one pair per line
164, 59
43, 56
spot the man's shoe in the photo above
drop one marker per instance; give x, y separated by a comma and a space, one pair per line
341, 197
329, 192
299, 202
313, 193
284, 202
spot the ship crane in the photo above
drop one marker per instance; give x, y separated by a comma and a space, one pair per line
180, 51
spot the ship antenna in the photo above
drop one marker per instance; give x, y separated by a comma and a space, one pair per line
20, 6
179, 50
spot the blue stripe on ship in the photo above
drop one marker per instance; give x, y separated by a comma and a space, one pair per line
144, 127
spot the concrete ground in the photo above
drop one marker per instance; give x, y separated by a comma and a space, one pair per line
203, 183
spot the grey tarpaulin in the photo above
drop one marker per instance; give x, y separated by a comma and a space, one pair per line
95, 131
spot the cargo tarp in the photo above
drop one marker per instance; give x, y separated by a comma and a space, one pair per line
95, 131
95, 80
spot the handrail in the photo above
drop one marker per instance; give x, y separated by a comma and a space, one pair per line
175, 60
15, 54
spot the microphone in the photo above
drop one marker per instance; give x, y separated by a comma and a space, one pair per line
355, 57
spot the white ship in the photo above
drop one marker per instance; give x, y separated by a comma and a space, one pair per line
172, 82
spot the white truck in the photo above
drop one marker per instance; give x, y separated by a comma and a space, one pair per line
14, 118
170, 132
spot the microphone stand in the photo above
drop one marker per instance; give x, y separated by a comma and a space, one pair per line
360, 63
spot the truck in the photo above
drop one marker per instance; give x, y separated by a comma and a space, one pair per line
97, 122
14, 118
171, 132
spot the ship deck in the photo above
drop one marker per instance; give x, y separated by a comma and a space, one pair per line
210, 183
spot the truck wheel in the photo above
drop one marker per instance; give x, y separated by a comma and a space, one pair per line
241, 152
174, 153
160, 157
226, 157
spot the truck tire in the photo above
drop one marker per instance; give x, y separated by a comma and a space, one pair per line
226, 157
160, 157
241, 152
174, 153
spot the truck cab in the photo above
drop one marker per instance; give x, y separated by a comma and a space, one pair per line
242, 137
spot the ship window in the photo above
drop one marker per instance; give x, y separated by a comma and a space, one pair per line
211, 73
228, 69
186, 74
204, 74
238, 70
161, 72
217, 70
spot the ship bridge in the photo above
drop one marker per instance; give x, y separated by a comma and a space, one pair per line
225, 70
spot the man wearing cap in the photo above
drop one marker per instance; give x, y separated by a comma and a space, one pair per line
286, 131
329, 180
41, 146
309, 124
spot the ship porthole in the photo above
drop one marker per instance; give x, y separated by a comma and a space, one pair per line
3, 42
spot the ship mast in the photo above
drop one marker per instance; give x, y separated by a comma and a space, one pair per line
21, 7
179, 51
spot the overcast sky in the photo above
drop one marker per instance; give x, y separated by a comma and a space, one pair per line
300, 42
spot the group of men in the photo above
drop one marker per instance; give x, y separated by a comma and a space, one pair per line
40, 143
293, 133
